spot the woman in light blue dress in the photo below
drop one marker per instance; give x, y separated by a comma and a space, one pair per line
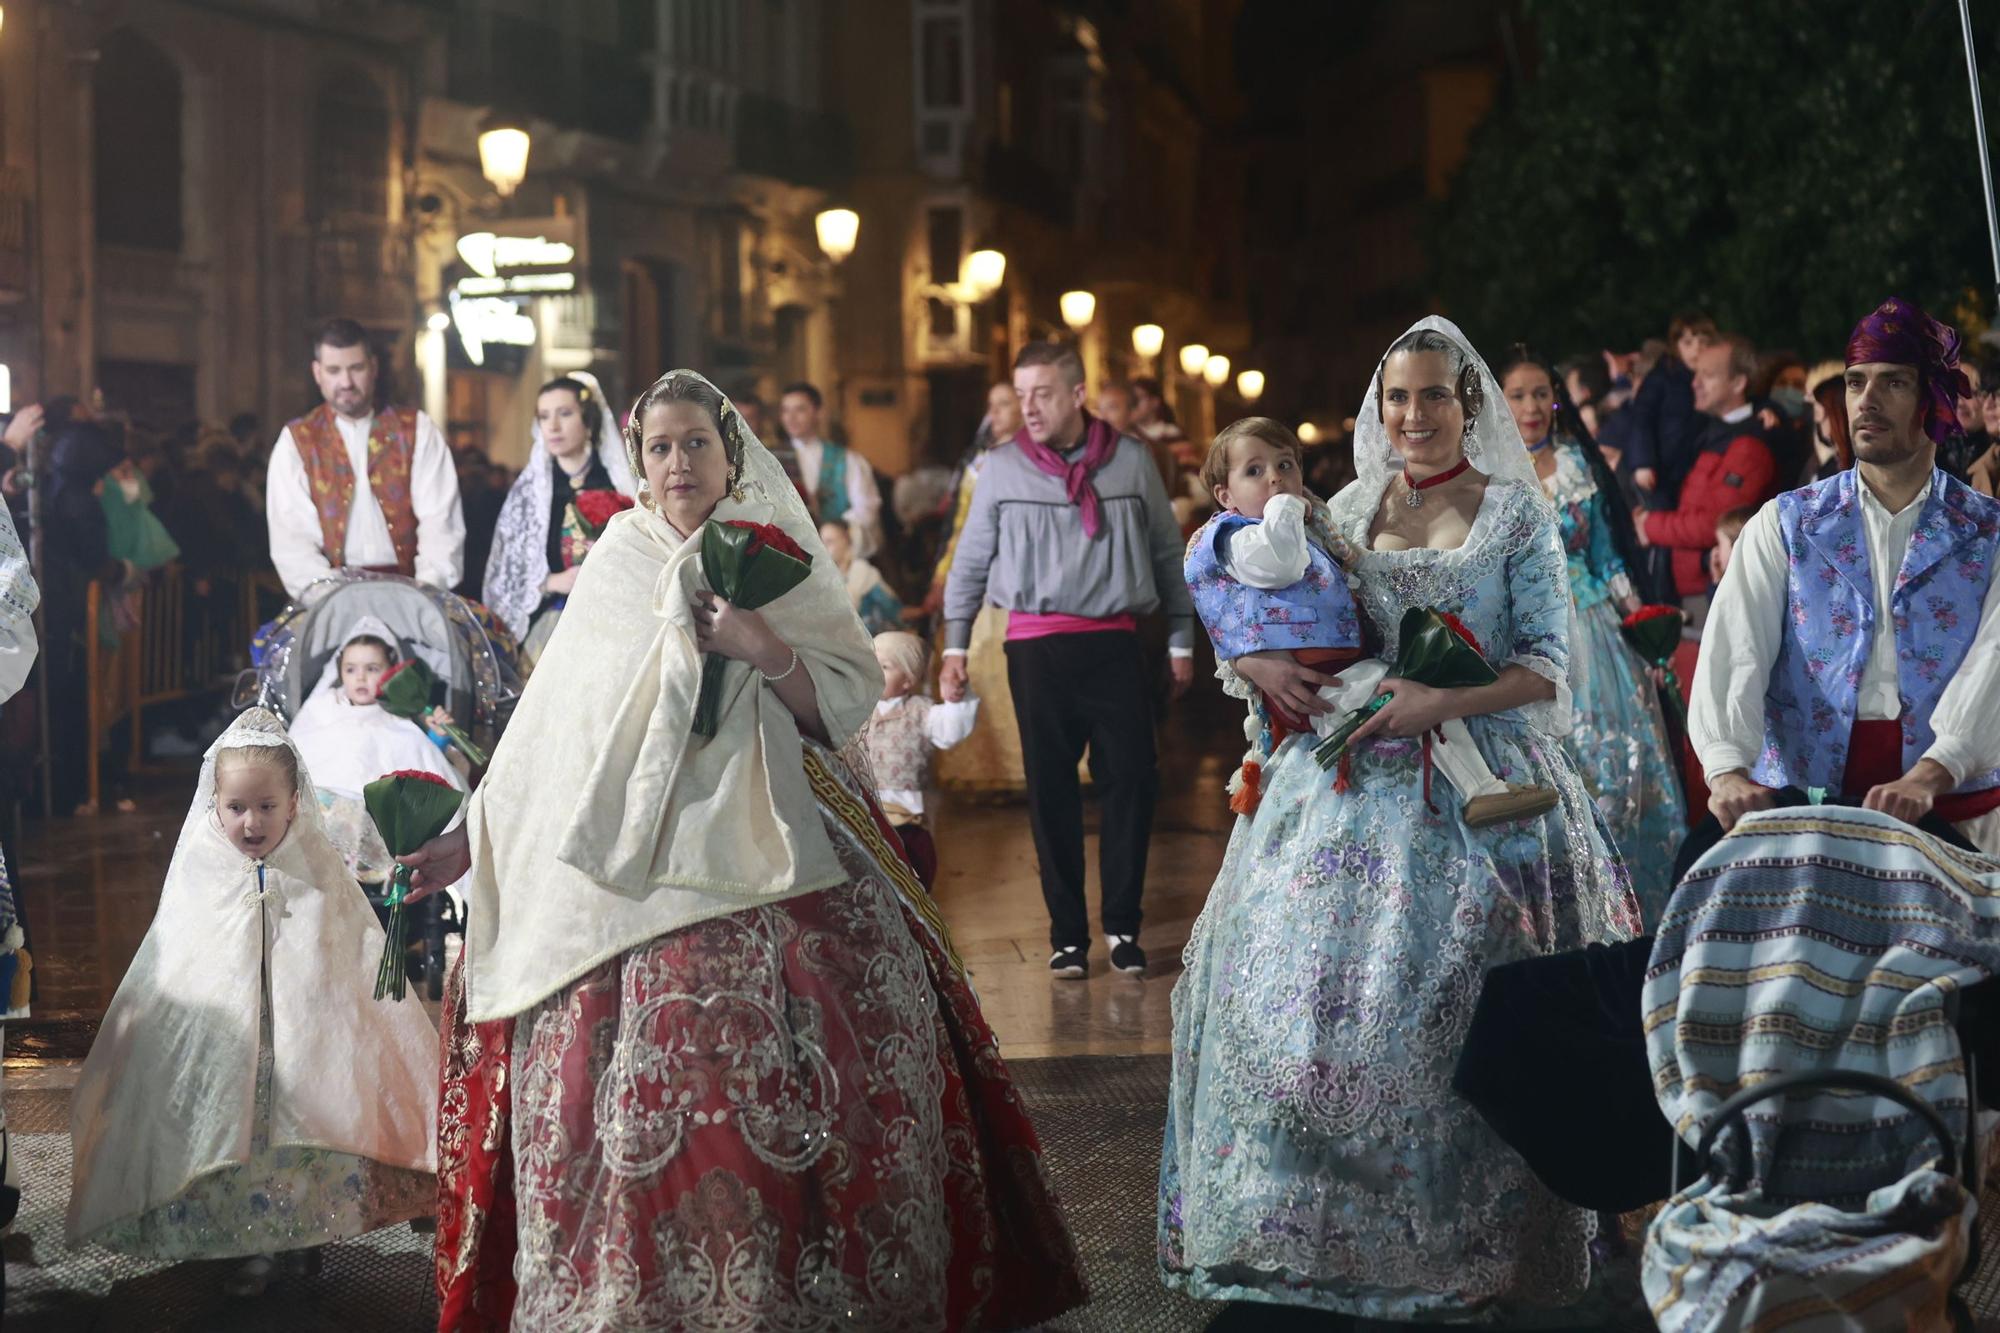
1619, 736
1315, 1152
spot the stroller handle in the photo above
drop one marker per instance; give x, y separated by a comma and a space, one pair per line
1852, 1079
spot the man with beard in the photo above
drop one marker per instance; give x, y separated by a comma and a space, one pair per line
1854, 645
353, 487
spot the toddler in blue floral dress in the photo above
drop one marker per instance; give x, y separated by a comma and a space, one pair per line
1268, 572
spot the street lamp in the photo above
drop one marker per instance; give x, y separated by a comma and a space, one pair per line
837, 230
1216, 372
438, 322
1308, 432
982, 273
503, 155
1250, 384
1078, 309
1194, 357
1148, 339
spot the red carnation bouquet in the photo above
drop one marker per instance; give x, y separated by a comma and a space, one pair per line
1654, 632
584, 520
409, 808
749, 565
1436, 649
406, 692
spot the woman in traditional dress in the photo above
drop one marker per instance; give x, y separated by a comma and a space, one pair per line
1315, 1152
1618, 734
712, 1063
576, 449
988, 763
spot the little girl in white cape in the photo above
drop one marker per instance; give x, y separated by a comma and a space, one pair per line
247, 1094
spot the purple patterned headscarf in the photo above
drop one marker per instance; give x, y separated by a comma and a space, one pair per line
1900, 333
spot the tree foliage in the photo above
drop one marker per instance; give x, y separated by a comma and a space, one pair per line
1783, 165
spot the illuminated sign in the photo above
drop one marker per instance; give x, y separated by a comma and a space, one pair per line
518, 284
494, 320
488, 254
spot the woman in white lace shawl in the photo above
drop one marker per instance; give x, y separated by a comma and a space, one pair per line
576, 449
748, 1084
1315, 1152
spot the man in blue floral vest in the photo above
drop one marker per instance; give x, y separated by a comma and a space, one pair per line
1854, 646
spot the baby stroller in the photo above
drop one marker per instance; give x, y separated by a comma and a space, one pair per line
472, 656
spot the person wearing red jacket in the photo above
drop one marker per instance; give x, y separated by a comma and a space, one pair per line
1733, 469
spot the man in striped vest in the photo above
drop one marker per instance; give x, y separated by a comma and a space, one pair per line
353, 487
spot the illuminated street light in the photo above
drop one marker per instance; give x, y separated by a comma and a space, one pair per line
439, 321
1194, 357
837, 229
503, 156
1216, 372
1308, 432
1250, 384
1078, 309
982, 273
1148, 339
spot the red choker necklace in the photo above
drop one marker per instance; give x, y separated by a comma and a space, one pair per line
1415, 499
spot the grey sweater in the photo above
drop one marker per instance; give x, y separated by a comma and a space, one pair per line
1023, 547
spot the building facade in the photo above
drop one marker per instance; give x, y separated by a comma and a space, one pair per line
191, 187
679, 149
1083, 142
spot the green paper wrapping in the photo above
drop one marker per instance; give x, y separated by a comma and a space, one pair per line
748, 565
1435, 650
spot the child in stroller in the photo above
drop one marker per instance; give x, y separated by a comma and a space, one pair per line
348, 740
297, 663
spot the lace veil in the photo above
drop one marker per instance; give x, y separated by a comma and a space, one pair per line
1492, 442
255, 727
519, 563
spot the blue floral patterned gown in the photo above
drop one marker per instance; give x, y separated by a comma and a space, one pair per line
1618, 736
1315, 1153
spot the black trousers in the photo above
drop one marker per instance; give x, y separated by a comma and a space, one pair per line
1709, 832
1071, 690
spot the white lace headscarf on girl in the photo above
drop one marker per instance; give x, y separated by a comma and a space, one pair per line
519, 562
254, 728
1492, 441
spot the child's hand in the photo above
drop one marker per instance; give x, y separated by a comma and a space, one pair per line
439, 719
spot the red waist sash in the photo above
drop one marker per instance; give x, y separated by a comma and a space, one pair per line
1329, 660
1875, 756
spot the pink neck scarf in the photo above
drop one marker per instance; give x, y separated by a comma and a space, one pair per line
1100, 441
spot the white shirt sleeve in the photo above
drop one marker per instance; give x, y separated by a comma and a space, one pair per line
1965, 723
440, 518
292, 519
1271, 554
949, 723
864, 506
1739, 646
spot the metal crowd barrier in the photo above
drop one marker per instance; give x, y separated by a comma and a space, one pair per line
158, 660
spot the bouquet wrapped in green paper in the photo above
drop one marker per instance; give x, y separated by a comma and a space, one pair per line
409, 809
1654, 633
406, 692
749, 565
1437, 650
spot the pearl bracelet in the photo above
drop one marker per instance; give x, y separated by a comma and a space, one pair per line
782, 674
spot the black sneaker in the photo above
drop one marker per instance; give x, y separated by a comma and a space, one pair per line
1071, 964
1126, 955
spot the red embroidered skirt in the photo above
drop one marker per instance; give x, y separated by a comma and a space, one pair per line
793, 1116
